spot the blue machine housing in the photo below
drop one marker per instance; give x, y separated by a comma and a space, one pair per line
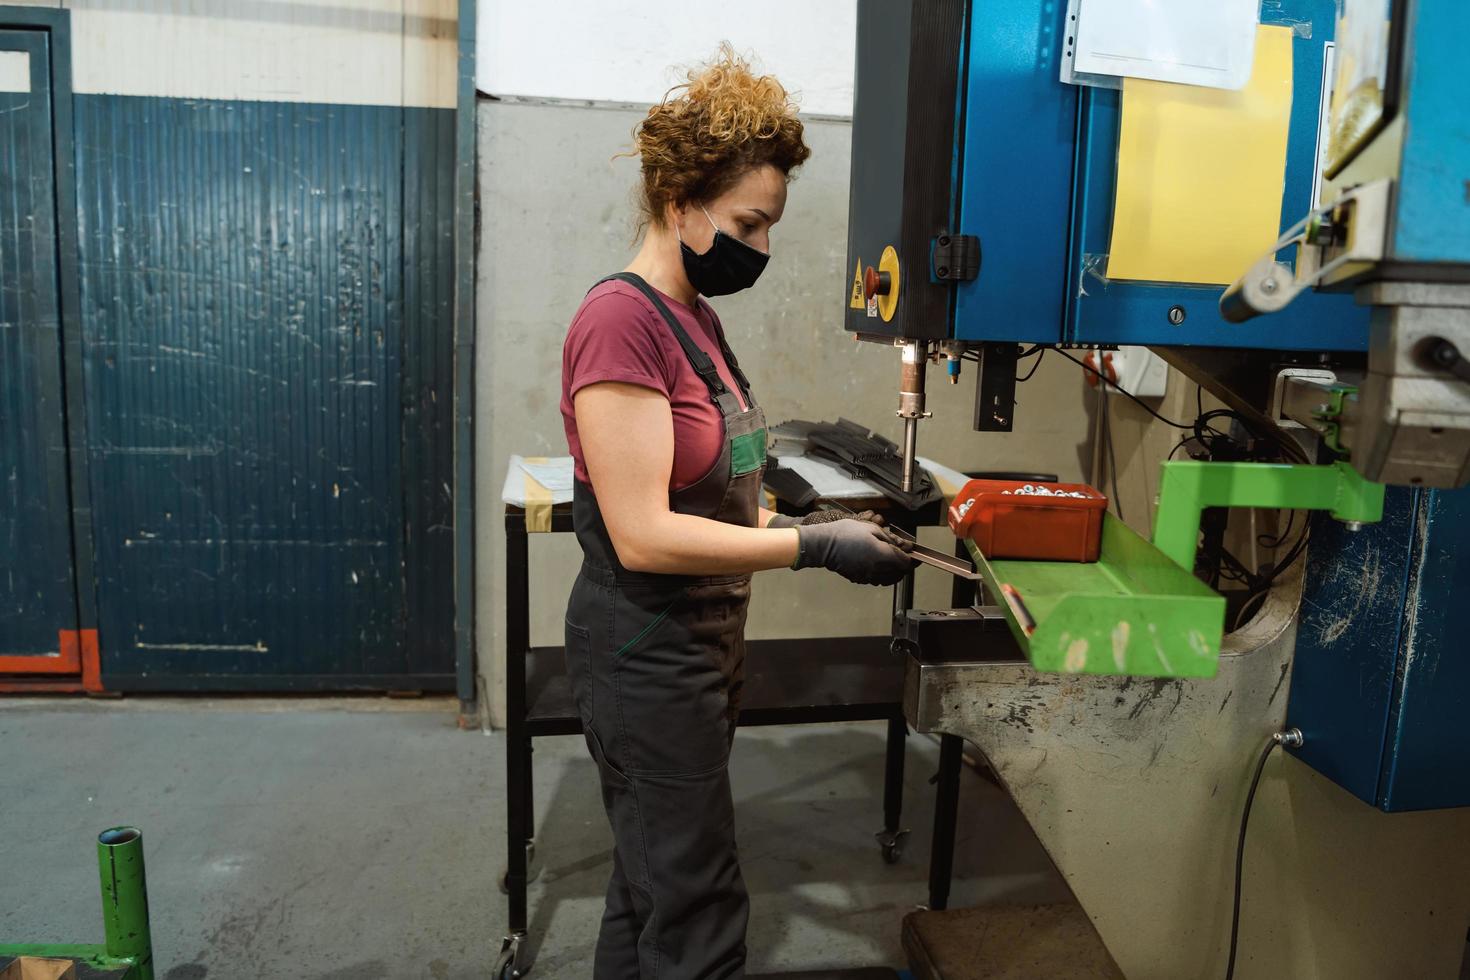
1381, 686
1036, 165
1430, 236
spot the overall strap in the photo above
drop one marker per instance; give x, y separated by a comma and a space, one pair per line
703, 365
730, 360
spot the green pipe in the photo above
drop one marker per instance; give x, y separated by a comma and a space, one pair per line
125, 898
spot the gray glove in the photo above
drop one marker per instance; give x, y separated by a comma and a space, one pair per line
826, 516
859, 551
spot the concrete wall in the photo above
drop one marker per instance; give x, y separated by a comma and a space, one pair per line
556, 214
630, 50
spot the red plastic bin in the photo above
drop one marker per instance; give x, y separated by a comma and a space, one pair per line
1006, 524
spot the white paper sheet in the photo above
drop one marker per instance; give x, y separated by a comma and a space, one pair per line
514, 489
1193, 42
828, 479
1069, 73
555, 474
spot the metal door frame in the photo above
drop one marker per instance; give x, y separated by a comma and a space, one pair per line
79, 651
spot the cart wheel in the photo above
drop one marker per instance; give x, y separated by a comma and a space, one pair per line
892, 852
533, 870
508, 967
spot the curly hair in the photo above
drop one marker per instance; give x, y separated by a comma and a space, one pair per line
712, 130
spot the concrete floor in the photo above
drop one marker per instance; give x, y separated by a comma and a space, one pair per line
364, 838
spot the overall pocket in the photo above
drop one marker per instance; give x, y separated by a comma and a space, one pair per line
579, 670
671, 684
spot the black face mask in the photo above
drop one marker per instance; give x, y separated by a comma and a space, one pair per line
729, 266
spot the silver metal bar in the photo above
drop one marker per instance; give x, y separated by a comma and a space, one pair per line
957, 567
910, 451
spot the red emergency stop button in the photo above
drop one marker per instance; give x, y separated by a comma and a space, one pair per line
876, 283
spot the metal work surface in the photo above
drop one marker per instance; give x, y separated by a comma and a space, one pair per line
266, 293
1135, 787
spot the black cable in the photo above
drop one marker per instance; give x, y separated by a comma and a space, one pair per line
1285, 447
1293, 737
1266, 579
1293, 555
1240, 616
1107, 421
1235, 569
1033, 368
1133, 398
1178, 446
974, 355
1262, 443
1230, 447
1269, 541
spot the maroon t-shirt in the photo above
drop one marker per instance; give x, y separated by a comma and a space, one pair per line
618, 335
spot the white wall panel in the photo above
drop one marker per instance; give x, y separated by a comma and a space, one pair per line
355, 52
15, 71
622, 50
430, 52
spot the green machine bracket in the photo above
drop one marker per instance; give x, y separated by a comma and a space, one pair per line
1187, 488
1138, 610
127, 953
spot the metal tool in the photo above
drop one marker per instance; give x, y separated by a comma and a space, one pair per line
957, 567
911, 404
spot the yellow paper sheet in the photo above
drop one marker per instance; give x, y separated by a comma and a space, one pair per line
538, 501
1201, 173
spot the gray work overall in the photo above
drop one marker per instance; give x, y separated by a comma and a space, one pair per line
656, 663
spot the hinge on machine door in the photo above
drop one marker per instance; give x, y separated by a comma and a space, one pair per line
955, 258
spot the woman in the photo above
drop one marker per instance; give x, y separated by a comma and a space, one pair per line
669, 449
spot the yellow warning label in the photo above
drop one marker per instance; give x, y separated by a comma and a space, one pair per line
856, 302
